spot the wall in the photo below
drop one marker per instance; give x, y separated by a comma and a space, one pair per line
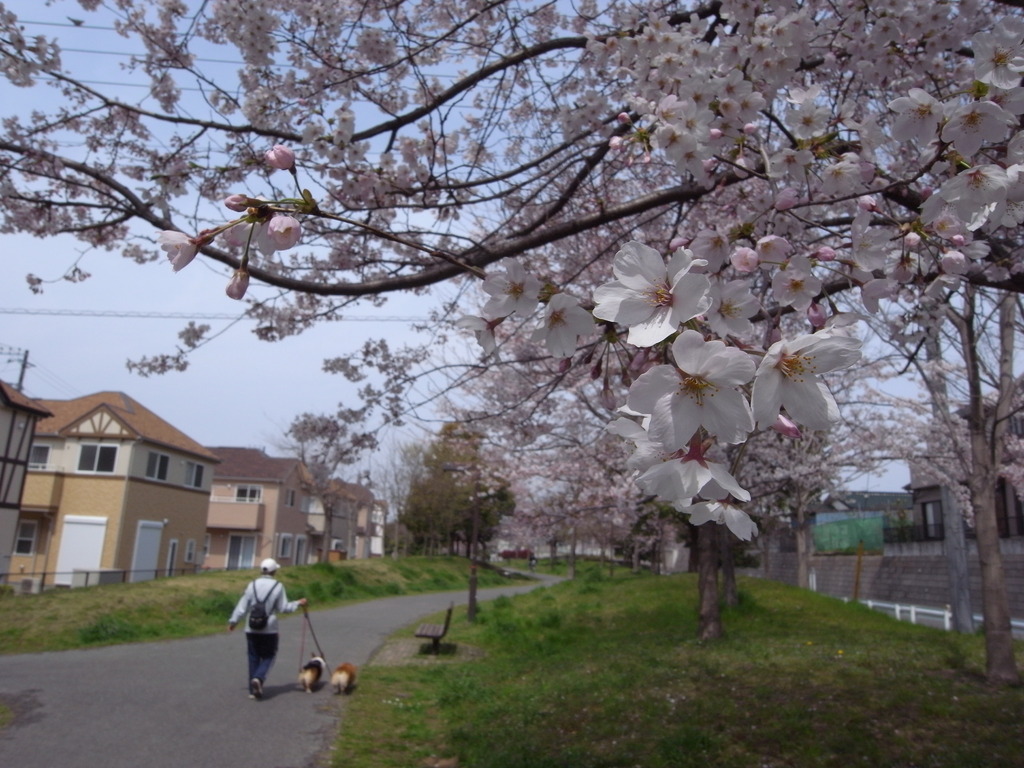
917, 580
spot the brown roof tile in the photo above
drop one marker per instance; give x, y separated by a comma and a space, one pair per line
14, 399
251, 464
135, 416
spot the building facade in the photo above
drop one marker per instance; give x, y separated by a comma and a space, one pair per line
113, 493
18, 417
258, 508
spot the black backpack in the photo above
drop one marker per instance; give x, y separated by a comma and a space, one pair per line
258, 614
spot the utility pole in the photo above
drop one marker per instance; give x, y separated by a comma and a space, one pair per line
13, 353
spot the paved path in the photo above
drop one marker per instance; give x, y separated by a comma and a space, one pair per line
185, 702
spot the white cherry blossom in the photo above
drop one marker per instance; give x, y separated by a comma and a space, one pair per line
563, 322
723, 513
511, 290
789, 377
700, 390
652, 299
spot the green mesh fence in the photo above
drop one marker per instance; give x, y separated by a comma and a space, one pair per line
844, 535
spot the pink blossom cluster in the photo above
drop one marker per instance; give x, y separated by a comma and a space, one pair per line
268, 230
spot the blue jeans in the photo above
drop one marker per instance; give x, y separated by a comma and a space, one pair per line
262, 650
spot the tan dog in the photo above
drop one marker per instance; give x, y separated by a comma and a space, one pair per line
344, 678
311, 673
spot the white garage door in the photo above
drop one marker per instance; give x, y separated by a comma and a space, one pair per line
81, 546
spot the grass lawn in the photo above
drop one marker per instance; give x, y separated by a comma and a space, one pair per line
606, 673
187, 606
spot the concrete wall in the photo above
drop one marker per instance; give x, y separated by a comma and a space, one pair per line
920, 579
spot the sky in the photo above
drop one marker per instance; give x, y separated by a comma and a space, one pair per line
238, 391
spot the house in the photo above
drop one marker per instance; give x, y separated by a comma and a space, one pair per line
258, 508
113, 493
356, 521
18, 417
923, 530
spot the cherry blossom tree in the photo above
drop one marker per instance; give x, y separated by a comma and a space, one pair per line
675, 177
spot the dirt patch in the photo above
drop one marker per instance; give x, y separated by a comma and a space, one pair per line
405, 651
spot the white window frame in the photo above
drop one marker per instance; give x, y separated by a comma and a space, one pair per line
190, 551
289, 497
194, 474
158, 465
285, 544
251, 494
33, 526
32, 464
100, 448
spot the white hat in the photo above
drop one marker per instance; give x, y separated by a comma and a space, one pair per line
269, 565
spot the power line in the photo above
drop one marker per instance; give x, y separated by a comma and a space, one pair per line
188, 315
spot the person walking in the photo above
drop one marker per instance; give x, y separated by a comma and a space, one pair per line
262, 641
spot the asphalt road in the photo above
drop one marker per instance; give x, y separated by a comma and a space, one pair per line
185, 702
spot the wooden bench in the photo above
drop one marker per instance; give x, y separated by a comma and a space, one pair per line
434, 632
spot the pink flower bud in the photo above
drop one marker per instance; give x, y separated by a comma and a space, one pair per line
750, 129
239, 284
676, 243
280, 157
867, 203
744, 260
237, 203
715, 133
816, 315
912, 240
958, 240
786, 199
624, 118
824, 254
616, 142
787, 427
284, 231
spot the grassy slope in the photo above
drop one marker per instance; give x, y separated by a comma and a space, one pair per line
604, 673
194, 605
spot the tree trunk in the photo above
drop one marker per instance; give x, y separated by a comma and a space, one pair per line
710, 621
1000, 664
730, 594
987, 425
803, 579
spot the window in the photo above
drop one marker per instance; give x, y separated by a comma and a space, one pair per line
39, 457
284, 546
97, 458
289, 497
25, 543
190, 551
156, 465
172, 556
249, 493
193, 474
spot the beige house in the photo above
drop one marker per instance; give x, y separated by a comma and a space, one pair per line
356, 522
113, 493
258, 508
18, 417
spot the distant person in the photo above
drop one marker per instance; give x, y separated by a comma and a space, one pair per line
533, 562
261, 636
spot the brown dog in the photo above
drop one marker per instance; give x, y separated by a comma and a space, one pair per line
311, 673
344, 678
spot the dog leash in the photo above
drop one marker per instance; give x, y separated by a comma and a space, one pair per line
312, 633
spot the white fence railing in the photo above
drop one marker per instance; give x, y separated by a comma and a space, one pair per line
932, 617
